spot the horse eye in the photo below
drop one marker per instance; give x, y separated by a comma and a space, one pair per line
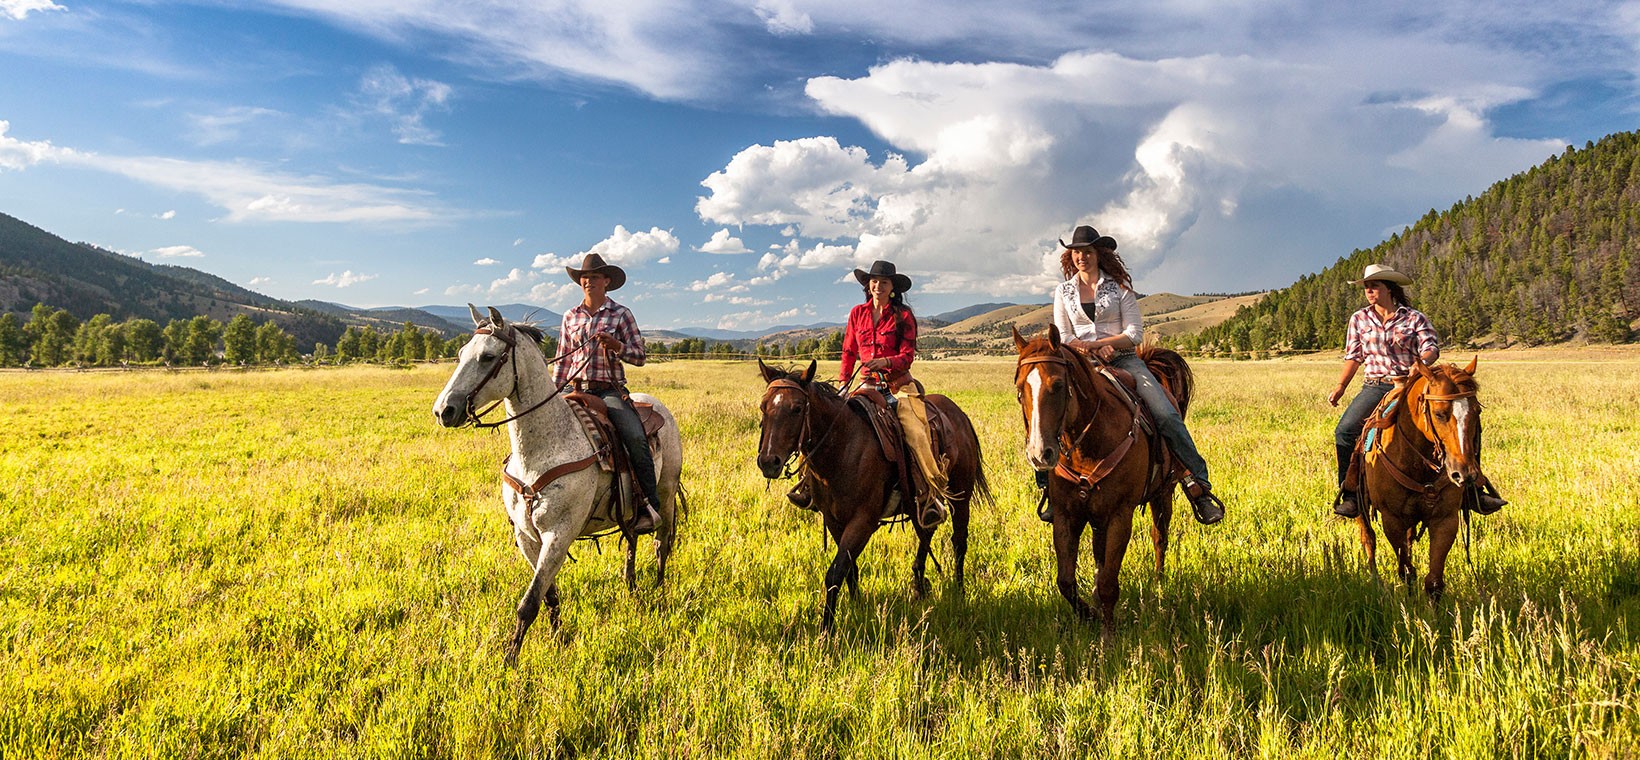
486, 357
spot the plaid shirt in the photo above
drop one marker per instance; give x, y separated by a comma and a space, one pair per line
1388, 349
864, 339
579, 326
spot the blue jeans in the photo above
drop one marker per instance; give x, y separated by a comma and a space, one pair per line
626, 422
1168, 420
1349, 426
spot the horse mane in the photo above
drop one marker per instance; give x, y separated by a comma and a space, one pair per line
529, 329
1456, 375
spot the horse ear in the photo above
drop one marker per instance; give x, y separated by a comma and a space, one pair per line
1423, 369
495, 318
770, 374
1053, 335
1470, 370
1019, 342
808, 374
477, 320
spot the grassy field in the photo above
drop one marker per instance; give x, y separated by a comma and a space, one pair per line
300, 563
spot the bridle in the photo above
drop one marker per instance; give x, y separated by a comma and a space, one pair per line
1066, 442
791, 465
1429, 418
508, 335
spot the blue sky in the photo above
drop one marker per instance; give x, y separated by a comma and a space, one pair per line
739, 158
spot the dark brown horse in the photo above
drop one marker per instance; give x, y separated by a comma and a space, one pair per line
854, 485
1425, 458
1088, 432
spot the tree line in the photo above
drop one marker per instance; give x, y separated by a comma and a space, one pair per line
1549, 255
53, 337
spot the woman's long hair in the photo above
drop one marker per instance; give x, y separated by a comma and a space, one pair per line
1396, 294
896, 302
1109, 262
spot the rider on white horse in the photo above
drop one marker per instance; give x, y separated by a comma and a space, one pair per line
599, 335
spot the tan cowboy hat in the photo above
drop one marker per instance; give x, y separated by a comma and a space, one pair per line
1382, 273
1082, 237
882, 268
593, 263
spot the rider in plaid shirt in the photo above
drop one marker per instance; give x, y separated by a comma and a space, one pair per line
596, 336
1386, 337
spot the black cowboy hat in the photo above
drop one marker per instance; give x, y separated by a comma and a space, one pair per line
1082, 237
595, 264
882, 268
1105, 243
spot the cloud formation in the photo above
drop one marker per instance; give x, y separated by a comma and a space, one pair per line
19, 9
723, 242
177, 252
404, 103
345, 279
247, 191
1158, 153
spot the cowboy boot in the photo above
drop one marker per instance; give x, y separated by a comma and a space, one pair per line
800, 495
1044, 510
1345, 504
1207, 507
1487, 499
931, 514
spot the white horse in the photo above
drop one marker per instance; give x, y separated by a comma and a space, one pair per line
553, 457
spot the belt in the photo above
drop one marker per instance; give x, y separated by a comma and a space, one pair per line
596, 386
1386, 378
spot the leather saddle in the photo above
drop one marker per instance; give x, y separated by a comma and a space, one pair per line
593, 414
873, 405
1162, 460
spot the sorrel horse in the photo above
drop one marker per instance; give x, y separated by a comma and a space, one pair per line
568, 495
854, 485
1427, 456
1087, 431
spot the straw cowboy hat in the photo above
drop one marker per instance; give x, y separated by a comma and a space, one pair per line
1083, 237
595, 264
1382, 273
882, 268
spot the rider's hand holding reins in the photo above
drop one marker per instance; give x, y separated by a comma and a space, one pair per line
609, 343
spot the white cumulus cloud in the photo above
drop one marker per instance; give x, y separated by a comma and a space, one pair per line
626, 248
345, 279
486, 262
723, 242
19, 9
176, 252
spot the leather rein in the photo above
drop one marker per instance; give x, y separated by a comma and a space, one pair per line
1428, 491
804, 446
508, 336
1084, 478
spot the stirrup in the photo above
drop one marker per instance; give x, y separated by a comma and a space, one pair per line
1207, 507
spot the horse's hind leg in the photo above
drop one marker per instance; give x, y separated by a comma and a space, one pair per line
552, 607
1399, 535
664, 539
1369, 540
1067, 539
631, 571
919, 566
1161, 518
959, 538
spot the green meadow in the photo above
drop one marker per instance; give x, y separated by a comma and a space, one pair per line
300, 563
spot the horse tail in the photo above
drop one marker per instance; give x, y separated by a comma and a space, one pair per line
1172, 370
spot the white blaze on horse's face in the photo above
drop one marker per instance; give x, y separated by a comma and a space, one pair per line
1039, 442
1461, 411
780, 430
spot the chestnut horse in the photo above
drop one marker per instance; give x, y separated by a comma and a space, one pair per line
855, 488
1426, 459
1085, 430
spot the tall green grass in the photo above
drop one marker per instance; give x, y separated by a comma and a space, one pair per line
300, 563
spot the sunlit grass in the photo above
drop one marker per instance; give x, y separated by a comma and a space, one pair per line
300, 563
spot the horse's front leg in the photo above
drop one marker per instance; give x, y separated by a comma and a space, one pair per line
630, 572
1117, 533
1067, 539
557, 530
1442, 533
1398, 532
844, 566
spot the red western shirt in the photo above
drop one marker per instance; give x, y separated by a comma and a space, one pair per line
893, 337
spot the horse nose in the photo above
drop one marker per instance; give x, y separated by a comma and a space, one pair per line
449, 415
769, 465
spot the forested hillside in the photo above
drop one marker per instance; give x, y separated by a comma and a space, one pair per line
1545, 256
